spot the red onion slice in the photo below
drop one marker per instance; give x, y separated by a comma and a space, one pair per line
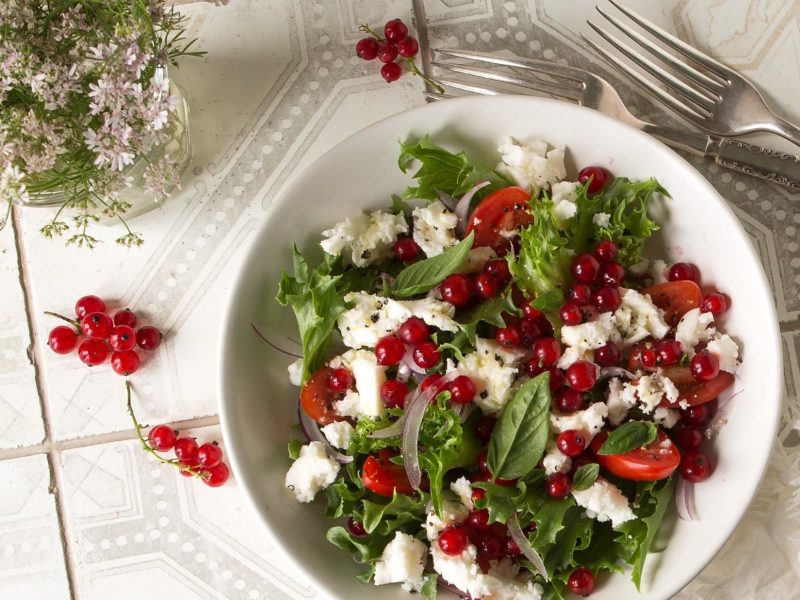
462, 208
446, 199
314, 434
606, 372
409, 362
515, 531
264, 338
721, 418
392, 430
684, 500
415, 411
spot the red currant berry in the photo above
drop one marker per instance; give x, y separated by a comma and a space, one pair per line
557, 378
161, 438
406, 249
453, 541
695, 466
395, 30
581, 581
209, 455
486, 285
62, 339
605, 251
148, 338
571, 442
569, 401
456, 289
582, 375
408, 48
598, 176
391, 72
714, 303
122, 338
669, 352
393, 393
186, 451
462, 390
546, 351
585, 268
580, 294
340, 380
688, 438
93, 352
478, 519
531, 331
413, 331
648, 358
125, 363
125, 317
430, 380
531, 312
704, 366
478, 494
512, 550
88, 305
356, 527
426, 354
216, 476
682, 272
498, 268
606, 299
367, 48
389, 350
558, 485
483, 427
612, 274
491, 547
608, 355
697, 415
570, 313
508, 337
387, 52
483, 461
97, 326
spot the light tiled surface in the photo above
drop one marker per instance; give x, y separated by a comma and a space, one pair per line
279, 87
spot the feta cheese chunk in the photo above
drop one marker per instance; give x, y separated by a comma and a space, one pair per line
369, 377
726, 350
555, 461
368, 237
372, 317
490, 368
296, 372
693, 328
658, 271
666, 417
584, 338
601, 219
434, 228
402, 561
618, 406
476, 259
605, 502
563, 195
461, 487
589, 421
338, 434
312, 471
565, 210
649, 391
638, 318
531, 165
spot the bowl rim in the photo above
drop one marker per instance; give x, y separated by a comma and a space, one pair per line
228, 319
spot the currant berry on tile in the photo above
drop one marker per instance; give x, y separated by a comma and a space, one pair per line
122, 338
97, 326
209, 455
93, 352
89, 304
186, 451
387, 52
62, 339
148, 338
125, 363
408, 47
125, 317
217, 475
395, 30
367, 48
162, 438
391, 72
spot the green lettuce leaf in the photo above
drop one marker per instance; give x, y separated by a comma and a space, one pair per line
385, 517
489, 311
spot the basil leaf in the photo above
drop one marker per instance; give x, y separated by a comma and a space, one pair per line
425, 274
518, 440
489, 311
631, 435
585, 476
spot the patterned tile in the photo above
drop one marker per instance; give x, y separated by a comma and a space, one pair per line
31, 557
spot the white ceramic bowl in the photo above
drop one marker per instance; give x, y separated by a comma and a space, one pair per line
258, 403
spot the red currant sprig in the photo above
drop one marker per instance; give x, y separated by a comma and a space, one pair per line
203, 462
396, 48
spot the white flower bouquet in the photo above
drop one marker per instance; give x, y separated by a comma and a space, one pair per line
85, 97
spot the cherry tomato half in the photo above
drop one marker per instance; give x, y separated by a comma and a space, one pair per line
317, 399
655, 461
675, 298
383, 477
503, 210
693, 391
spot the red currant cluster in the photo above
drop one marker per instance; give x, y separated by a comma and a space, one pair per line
104, 335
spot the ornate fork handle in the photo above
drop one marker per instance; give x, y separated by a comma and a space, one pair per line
771, 165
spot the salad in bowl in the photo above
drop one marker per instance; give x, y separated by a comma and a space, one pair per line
499, 394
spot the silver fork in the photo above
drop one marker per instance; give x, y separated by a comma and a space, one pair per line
714, 97
493, 75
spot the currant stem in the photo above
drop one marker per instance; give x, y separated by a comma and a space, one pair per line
369, 31
415, 69
149, 449
73, 322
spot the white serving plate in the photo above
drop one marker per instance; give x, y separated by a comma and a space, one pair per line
258, 404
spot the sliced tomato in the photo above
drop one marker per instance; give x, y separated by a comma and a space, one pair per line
503, 210
675, 298
652, 462
693, 391
383, 477
317, 399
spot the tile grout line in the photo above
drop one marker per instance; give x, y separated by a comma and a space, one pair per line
52, 450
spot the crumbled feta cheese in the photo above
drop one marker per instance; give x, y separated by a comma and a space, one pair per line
556, 461
452, 513
372, 317
369, 376
666, 417
338, 434
349, 405
434, 228
693, 328
589, 421
582, 339
564, 190
476, 259
296, 372
370, 237
649, 391
726, 350
462, 488
312, 471
638, 318
531, 166
565, 210
658, 271
490, 368
617, 405
601, 219
605, 502
402, 561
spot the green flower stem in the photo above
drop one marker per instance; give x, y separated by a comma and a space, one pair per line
369, 31
415, 69
74, 322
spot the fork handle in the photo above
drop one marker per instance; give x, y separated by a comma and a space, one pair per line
777, 167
